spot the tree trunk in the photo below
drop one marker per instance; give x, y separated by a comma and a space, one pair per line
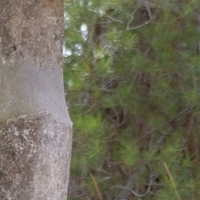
35, 129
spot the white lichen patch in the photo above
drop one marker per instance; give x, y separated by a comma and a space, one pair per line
34, 156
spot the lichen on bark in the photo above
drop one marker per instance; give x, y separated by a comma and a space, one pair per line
34, 158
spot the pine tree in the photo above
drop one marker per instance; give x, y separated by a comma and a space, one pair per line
133, 90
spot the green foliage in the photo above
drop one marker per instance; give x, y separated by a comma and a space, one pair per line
132, 83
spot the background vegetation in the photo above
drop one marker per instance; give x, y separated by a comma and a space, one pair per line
132, 77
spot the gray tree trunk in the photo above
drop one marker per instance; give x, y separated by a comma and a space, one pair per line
35, 129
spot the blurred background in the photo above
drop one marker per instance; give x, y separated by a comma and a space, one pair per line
132, 81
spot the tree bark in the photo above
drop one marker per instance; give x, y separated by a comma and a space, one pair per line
35, 129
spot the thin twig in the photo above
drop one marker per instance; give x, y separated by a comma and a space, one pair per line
145, 23
172, 180
181, 113
134, 192
161, 139
96, 186
132, 17
115, 20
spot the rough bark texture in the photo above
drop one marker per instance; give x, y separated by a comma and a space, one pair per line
34, 148
34, 157
31, 37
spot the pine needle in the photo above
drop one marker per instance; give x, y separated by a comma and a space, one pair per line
172, 181
97, 187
